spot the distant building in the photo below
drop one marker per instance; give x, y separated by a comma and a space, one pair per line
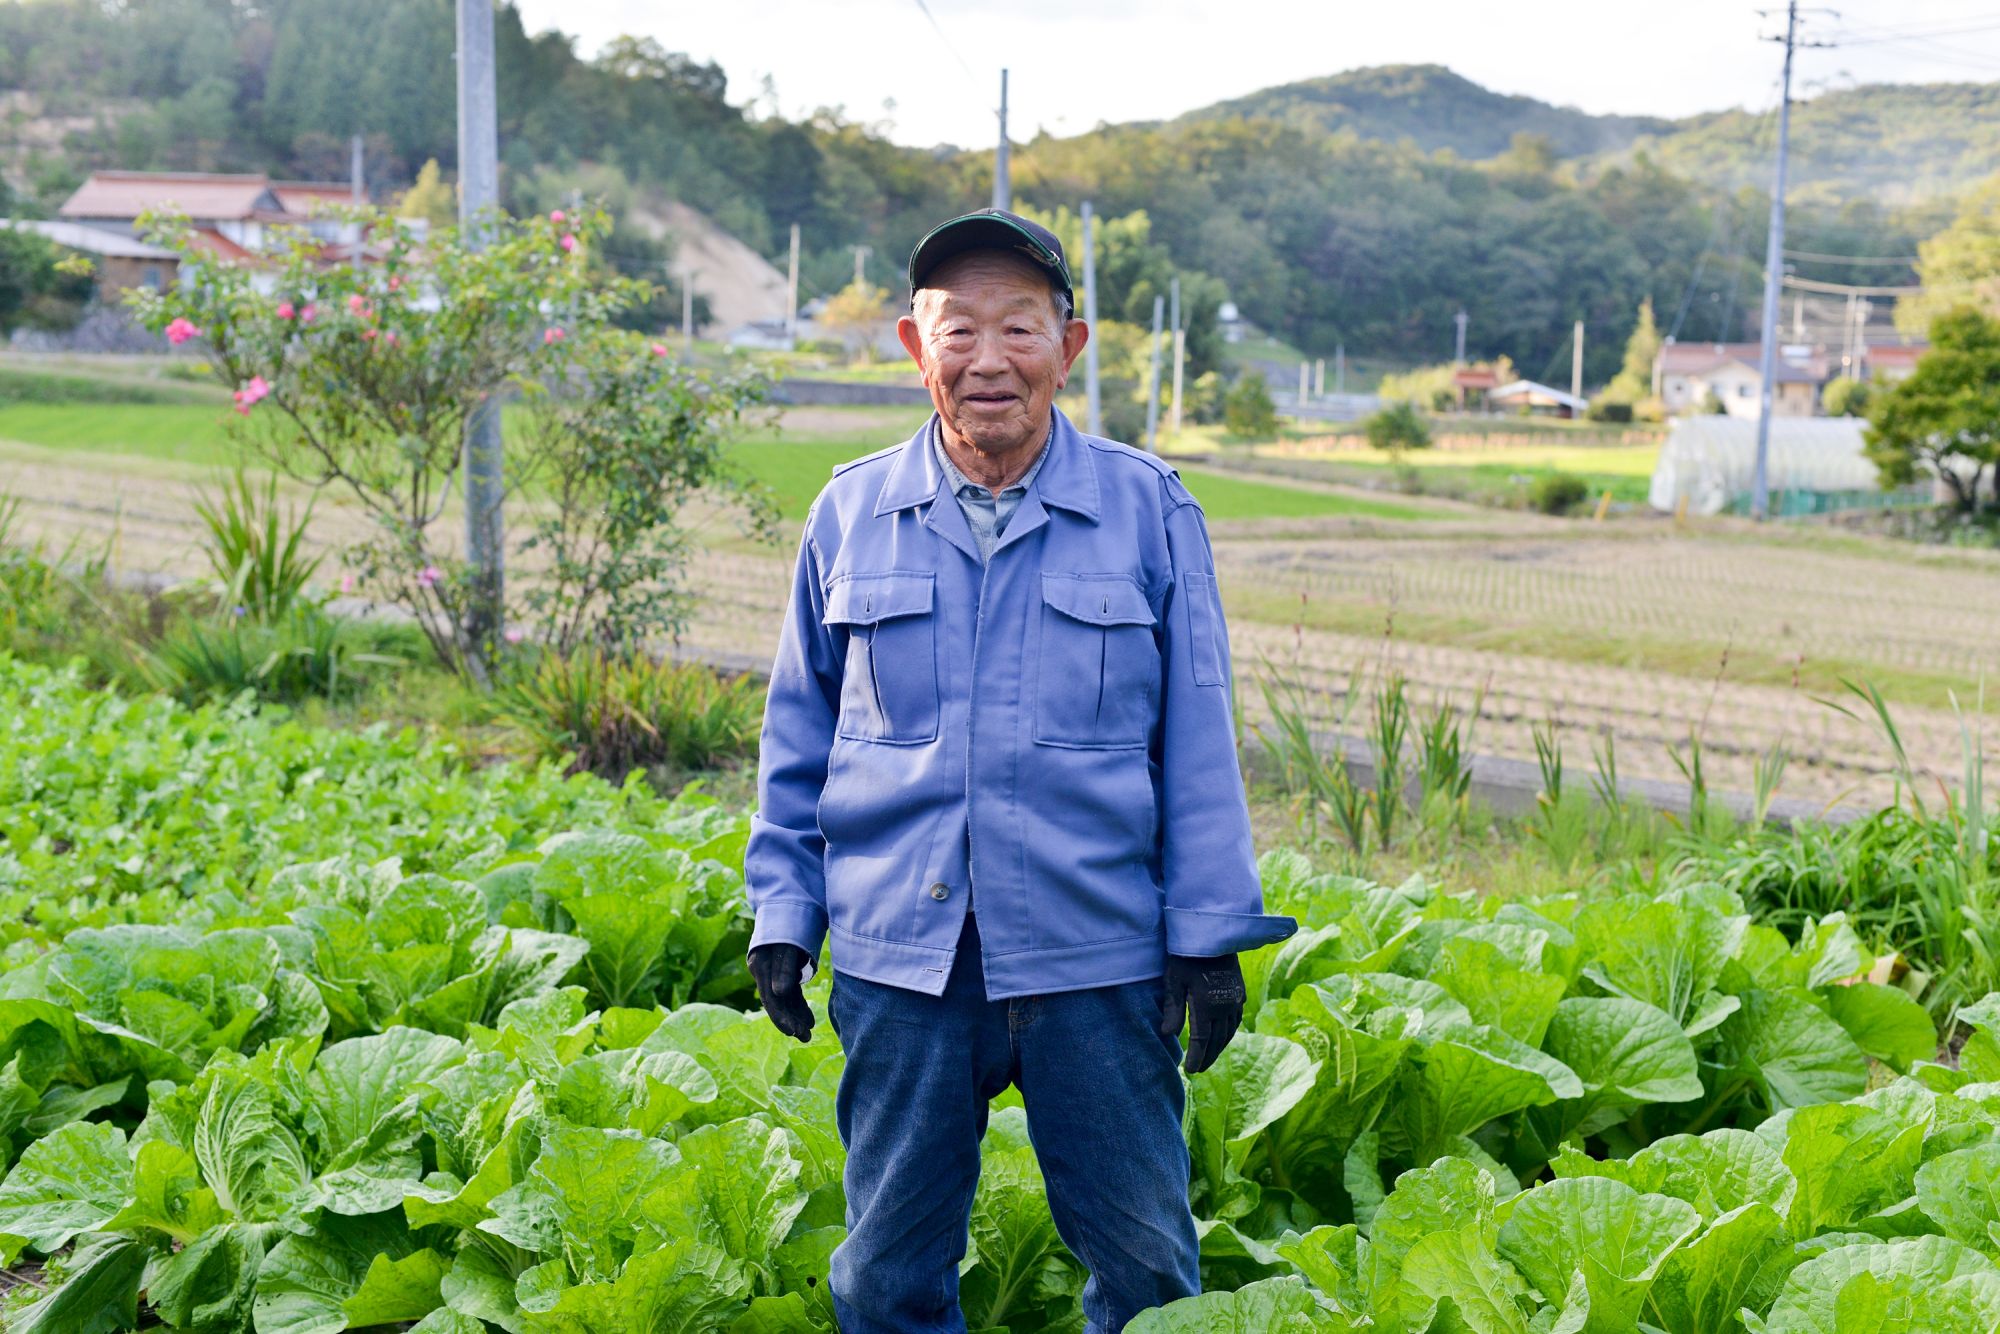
1687, 374
1812, 466
762, 336
231, 216
1537, 399
1473, 386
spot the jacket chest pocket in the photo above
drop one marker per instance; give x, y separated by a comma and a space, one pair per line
889, 689
1098, 675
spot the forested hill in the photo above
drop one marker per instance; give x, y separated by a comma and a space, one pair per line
1433, 108
1320, 208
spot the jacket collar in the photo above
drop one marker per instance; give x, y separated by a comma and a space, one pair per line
1067, 478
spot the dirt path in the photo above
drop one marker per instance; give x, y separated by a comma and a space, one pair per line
1466, 604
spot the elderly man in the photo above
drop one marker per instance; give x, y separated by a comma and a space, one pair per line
999, 771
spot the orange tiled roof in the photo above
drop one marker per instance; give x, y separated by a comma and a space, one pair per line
202, 196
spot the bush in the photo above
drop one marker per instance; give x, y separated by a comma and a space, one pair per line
1397, 427
298, 656
1557, 492
1845, 397
609, 714
1604, 410
1247, 409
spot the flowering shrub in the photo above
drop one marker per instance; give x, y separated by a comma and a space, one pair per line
363, 376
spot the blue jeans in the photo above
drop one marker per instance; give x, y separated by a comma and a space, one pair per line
1104, 1100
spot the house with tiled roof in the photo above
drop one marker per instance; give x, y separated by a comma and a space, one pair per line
231, 215
1687, 374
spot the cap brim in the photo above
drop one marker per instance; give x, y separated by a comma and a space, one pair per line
983, 231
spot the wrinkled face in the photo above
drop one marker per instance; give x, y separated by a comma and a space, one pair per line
993, 350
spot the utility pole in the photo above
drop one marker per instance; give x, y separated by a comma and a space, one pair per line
1305, 382
485, 462
861, 254
357, 185
1003, 189
1093, 394
1180, 349
1340, 368
687, 306
1319, 378
792, 289
1153, 378
1576, 363
1774, 272
1458, 349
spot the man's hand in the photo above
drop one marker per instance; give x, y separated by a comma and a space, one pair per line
779, 973
1208, 993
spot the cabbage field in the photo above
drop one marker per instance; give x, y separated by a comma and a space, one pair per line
307, 1030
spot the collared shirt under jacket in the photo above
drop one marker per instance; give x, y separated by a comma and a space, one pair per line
1067, 702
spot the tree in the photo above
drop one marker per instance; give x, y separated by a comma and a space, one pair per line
1845, 396
430, 198
1248, 410
37, 288
855, 314
1634, 380
1944, 420
1397, 427
1960, 266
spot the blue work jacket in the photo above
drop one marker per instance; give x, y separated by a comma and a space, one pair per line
1066, 703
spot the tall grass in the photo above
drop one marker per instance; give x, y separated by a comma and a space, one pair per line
611, 714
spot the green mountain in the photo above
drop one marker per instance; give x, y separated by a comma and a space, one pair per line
1433, 108
1892, 143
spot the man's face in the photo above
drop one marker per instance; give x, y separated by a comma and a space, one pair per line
992, 349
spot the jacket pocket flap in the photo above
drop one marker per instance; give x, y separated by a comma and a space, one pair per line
1109, 600
864, 599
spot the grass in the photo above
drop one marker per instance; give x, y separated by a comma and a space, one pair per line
196, 435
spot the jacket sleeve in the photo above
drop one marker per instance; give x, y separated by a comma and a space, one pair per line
784, 865
1214, 903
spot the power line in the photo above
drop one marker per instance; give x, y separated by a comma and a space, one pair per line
939, 29
1818, 258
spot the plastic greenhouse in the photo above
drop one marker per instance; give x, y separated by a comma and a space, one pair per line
1815, 465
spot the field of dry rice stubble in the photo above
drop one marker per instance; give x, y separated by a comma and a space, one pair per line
1634, 628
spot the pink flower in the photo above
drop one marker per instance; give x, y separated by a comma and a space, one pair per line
285, 310
388, 338
395, 282
180, 330
514, 634
356, 303
659, 349
347, 583
368, 335
556, 215
428, 576
568, 241
552, 335
248, 396
306, 315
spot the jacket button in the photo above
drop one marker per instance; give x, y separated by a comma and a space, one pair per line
940, 890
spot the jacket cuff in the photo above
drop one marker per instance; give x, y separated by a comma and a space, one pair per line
1197, 933
801, 924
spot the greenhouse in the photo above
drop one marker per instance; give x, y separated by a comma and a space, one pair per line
1815, 464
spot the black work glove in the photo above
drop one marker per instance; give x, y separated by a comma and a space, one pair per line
1208, 992
780, 972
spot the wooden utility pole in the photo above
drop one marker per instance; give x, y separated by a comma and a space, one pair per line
478, 191
1003, 189
1576, 363
1153, 377
1093, 394
792, 289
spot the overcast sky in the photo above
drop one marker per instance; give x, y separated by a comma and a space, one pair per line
1077, 62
